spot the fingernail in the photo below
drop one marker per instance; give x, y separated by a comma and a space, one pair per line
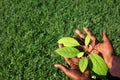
77, 30
55, 65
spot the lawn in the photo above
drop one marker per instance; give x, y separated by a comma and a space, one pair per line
29, 30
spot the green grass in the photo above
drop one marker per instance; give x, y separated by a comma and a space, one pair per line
29, 30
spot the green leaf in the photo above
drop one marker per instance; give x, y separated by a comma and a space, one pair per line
68, 41
83, 64
80, 54
68, 52
87, 40
98, 64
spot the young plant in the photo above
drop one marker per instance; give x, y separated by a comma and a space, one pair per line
96, 63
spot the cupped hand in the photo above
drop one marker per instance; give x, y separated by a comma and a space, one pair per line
105, 47
94, 42
73, 71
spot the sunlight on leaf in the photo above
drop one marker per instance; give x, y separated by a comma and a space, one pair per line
83, 64
68, 52
80, 54
87, 40
98, 64
68, 41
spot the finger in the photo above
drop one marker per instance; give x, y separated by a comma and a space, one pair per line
90, 33
105, 37
62, 68
87, 73
60, 45
75, 60
80, 33
95, 51
74, 75
68, 61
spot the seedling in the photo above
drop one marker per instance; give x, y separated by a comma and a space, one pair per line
95, 62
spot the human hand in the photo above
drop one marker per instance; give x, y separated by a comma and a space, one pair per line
105, 48
91, 46
73, 72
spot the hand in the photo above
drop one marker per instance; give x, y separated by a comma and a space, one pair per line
105, 48
73, 72
91, 46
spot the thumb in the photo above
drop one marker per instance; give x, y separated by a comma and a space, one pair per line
62, 68
105, 37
